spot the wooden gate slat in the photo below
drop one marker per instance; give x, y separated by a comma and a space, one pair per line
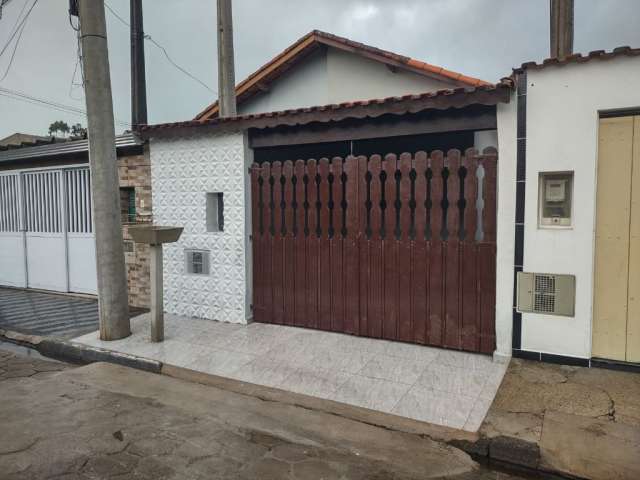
324, 307
489, 157
336, 245
436, 269
300, 249
470, 328
288, 245
390, 252
487, 294
375, 258
452, 254
405, 320
363, 245
266, 246
419, 258
350, 248
278, 246
312, 242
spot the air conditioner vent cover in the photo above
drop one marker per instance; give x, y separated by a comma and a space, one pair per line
546, 293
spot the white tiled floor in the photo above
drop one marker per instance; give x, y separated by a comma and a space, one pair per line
444, 387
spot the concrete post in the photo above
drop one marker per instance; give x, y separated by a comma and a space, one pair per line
138, 76
561, 28
157, 309
113, 301
226, 71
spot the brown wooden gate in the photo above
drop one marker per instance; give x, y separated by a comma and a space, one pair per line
397, 248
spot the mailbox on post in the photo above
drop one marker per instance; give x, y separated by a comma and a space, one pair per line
155, 236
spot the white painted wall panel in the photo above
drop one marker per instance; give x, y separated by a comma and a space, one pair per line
12, 259
82, 264
336, 76
183, 170
353, 77
506, 116
46, 262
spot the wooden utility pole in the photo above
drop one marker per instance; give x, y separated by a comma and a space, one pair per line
113, 305
226, 73
561, 28
138, 78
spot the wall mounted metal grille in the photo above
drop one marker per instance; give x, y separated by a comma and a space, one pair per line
78, 201
9, 203
42, 202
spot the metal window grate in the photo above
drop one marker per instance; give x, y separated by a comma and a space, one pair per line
544, 303
545, 284
197, 262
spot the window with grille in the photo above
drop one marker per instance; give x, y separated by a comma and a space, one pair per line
215, 212
197, 262
128, 204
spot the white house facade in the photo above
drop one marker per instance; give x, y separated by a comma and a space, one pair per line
554, 125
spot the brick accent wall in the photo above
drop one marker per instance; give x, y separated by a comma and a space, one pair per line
135, 171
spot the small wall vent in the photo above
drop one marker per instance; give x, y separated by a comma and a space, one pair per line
546, 293
197, 262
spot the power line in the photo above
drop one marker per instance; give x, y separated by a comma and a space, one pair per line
164, 50
25, 97
15, 31
15, 47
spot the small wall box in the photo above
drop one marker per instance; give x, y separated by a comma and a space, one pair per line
546, 293
555, 199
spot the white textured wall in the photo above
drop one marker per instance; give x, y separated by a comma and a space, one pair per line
183, 170
562, 134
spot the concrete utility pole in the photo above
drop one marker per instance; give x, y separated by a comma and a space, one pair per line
138, 78
112, 281
561, 28
226, 73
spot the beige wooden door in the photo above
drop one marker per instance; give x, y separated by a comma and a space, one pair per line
616, 309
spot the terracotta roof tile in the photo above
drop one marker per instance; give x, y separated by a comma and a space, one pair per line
487, 94
579, 58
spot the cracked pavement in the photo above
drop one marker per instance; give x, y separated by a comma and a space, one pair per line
105, 421
586, 421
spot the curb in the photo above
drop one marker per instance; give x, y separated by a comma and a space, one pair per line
76, 353
509, 452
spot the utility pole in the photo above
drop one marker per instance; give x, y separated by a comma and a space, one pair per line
561, 28
138, 77
113, 302
226, 74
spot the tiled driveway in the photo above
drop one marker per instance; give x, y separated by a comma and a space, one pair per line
444, 387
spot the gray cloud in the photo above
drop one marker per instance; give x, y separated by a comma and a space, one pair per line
483, 38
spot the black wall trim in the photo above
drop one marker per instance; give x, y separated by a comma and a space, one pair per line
521, 170
550, 358
611, 365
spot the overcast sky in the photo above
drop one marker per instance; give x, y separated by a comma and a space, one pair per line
482, 38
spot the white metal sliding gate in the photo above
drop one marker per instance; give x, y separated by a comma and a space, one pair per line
46, 234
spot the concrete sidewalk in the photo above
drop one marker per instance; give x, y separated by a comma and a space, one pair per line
583, 422
107, 421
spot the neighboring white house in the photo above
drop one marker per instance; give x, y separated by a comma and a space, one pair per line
573, 120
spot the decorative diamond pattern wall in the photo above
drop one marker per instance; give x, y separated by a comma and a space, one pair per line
183, 170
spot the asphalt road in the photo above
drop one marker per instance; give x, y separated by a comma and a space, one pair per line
105, 421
